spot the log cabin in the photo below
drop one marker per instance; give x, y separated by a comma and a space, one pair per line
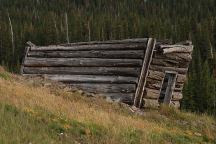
140, 72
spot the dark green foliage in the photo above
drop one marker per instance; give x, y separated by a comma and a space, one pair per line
43, 23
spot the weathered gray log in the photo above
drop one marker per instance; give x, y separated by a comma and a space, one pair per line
151, 103
120, 71
176, 48
152, 93
169, 63
157, 75
126, 46
89, 79
138, 99
179, 57
124, 41
163, 69
130, 54
88, 62
105, 88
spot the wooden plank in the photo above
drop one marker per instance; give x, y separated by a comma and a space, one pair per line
144, 73
90, 79
130, 54
170, 88
163, 69
179, 57
176, 48
105, 88
169, 63
120, 71
125, 46
88, 62
124, 41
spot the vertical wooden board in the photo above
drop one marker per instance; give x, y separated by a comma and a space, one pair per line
144, 72
170, 89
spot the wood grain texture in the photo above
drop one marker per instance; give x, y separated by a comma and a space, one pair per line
124, 41
163, 69
130, 54
89, 79
144, 73
88, 62
124, 46
119, 71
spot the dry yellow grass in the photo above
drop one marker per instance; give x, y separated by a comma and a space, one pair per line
19, 92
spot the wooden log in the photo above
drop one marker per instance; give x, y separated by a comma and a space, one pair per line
157, 75
176, 96
163, 69
152, 93
179, 57
151, 103
125, 46
130, 54
138, 99
175, 104
181, 78
169, 63
105, 88
176, 48
179, 87
119, 71
88, 62
124, 41
89, 79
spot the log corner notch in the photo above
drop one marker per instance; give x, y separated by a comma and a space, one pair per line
138, 99
161, 87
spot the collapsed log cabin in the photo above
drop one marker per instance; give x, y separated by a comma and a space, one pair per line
139, 72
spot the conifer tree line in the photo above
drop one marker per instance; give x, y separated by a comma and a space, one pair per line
45, 22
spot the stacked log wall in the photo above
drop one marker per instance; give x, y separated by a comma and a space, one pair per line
174, 58
110, 68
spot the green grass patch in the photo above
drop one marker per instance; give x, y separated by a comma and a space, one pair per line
5, 75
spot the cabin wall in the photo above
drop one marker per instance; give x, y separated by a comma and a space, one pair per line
110, 68
170, 58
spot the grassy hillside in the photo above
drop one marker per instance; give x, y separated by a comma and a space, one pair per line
32, 111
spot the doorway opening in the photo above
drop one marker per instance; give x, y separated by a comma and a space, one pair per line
167, 88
